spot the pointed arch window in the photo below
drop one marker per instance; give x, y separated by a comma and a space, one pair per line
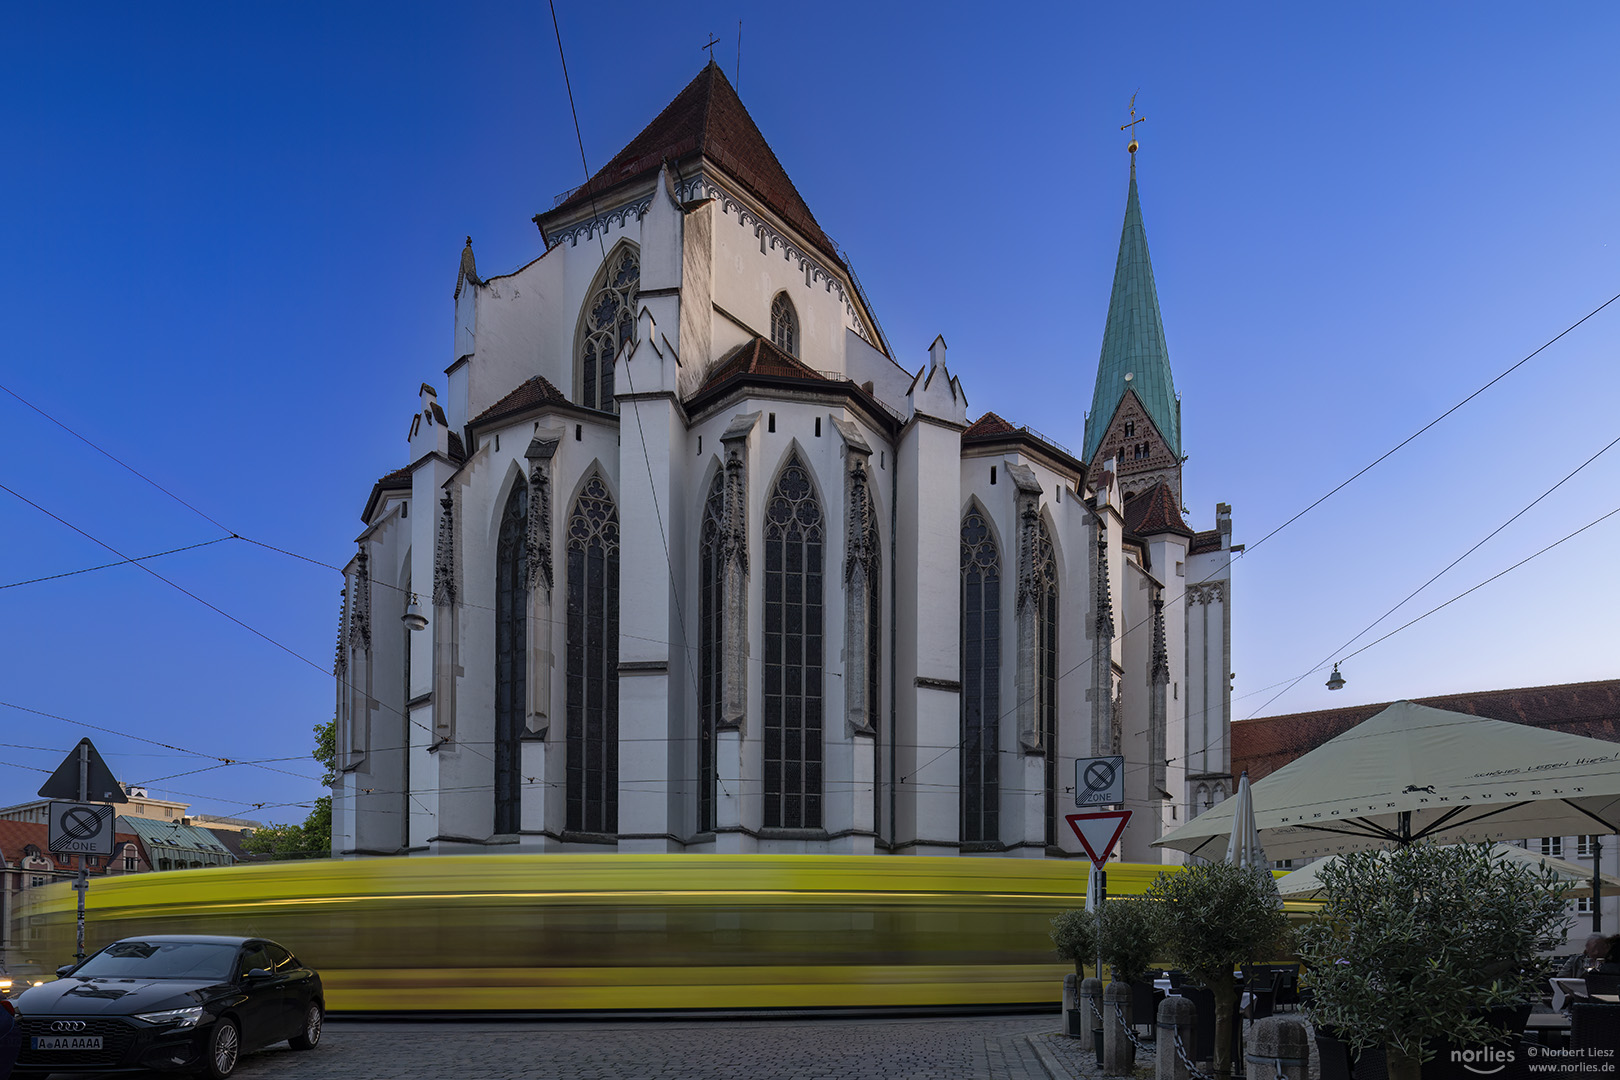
1045, 581
784, 325
793, 651
607, 322
511, 654
711, 574
981, 680
593, 661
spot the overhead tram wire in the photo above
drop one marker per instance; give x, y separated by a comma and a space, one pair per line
635, 403
1250, 547
220, 611
1403, 602
122, 562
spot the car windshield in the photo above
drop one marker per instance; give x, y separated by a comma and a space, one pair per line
160, 960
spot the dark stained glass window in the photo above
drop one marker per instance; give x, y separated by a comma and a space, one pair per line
1046, 660
793, 656
784, 325
981, 680
609, 320
511, 651
593, 662
711, 614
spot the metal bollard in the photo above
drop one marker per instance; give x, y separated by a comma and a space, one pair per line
1119, 1055
1278, 1049
1090, 1006
1177, 1023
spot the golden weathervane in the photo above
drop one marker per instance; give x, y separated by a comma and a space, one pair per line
1131, 127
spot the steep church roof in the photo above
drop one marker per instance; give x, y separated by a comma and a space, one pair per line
758, 357
707, 118
1134, 355
1154, 511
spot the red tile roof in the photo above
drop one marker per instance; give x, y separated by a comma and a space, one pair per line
707, 118
17, 835
1205, 542
1154, 511
1591, 709
757, 356
529, 394
987, 425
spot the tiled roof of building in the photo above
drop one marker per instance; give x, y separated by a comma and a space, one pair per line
1154, 511
174, 840
399, 478
15, 836
458, 451
707, 118
1591, 709
989, 425
758, 356
993, 428
1205, 542
1134, 355
529, 394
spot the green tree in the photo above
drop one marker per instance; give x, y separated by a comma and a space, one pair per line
1415, 943
1130, 934
312, 839
1074, 934
1215, 917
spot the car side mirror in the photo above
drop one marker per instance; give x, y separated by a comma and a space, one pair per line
62, 972
257, 974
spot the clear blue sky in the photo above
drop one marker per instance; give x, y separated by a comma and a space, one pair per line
231, 233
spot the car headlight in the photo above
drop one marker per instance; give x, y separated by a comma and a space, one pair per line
179, 1018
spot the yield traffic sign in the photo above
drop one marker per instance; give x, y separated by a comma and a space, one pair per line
1099, 831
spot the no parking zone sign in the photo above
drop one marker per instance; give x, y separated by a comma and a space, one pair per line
81, 828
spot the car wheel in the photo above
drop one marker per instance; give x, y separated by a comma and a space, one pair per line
224, 1047
306, 1039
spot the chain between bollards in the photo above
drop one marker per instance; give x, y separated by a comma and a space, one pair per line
1181, 1052
1130, 1033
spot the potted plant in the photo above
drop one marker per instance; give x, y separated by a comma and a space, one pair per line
1416, 945
1074, 935
1215, 917
1129, 940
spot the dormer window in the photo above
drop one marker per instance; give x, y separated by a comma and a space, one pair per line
784, 325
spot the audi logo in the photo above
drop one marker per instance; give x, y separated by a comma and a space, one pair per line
67, 1025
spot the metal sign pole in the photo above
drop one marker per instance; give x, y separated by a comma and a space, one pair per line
83, 884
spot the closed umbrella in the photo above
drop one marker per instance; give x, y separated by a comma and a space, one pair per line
1243, 849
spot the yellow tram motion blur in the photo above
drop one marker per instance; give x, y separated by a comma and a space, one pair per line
592, 932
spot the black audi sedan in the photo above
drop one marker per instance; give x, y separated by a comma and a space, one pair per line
172, 1002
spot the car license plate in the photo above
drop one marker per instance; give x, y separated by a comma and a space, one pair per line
67, 1042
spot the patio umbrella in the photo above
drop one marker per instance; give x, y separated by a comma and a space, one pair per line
1244, 849
1413, 773
1306, 882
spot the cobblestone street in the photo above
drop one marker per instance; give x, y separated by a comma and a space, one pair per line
971, 1048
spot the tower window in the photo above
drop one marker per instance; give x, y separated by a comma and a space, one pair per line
1130, 429
607, 322
784, 325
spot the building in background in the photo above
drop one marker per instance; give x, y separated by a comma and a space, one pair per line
1590, 709
140, 805
26, 863
697, 562
176, 845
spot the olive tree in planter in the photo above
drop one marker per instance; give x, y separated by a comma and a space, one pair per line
1415, 944
1074, 935
1215, 917
1129, 933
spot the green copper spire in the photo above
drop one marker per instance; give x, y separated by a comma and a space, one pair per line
1133, 342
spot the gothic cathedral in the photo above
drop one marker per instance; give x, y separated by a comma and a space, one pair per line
685, 559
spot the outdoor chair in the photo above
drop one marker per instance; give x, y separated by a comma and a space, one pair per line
1594, 1026
1335, 1057
1598, 983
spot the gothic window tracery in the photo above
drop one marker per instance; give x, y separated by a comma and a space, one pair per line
793, 651
1044, 580
511, 652
981, 679
593, 661
607, 322
784, 325
711, 614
